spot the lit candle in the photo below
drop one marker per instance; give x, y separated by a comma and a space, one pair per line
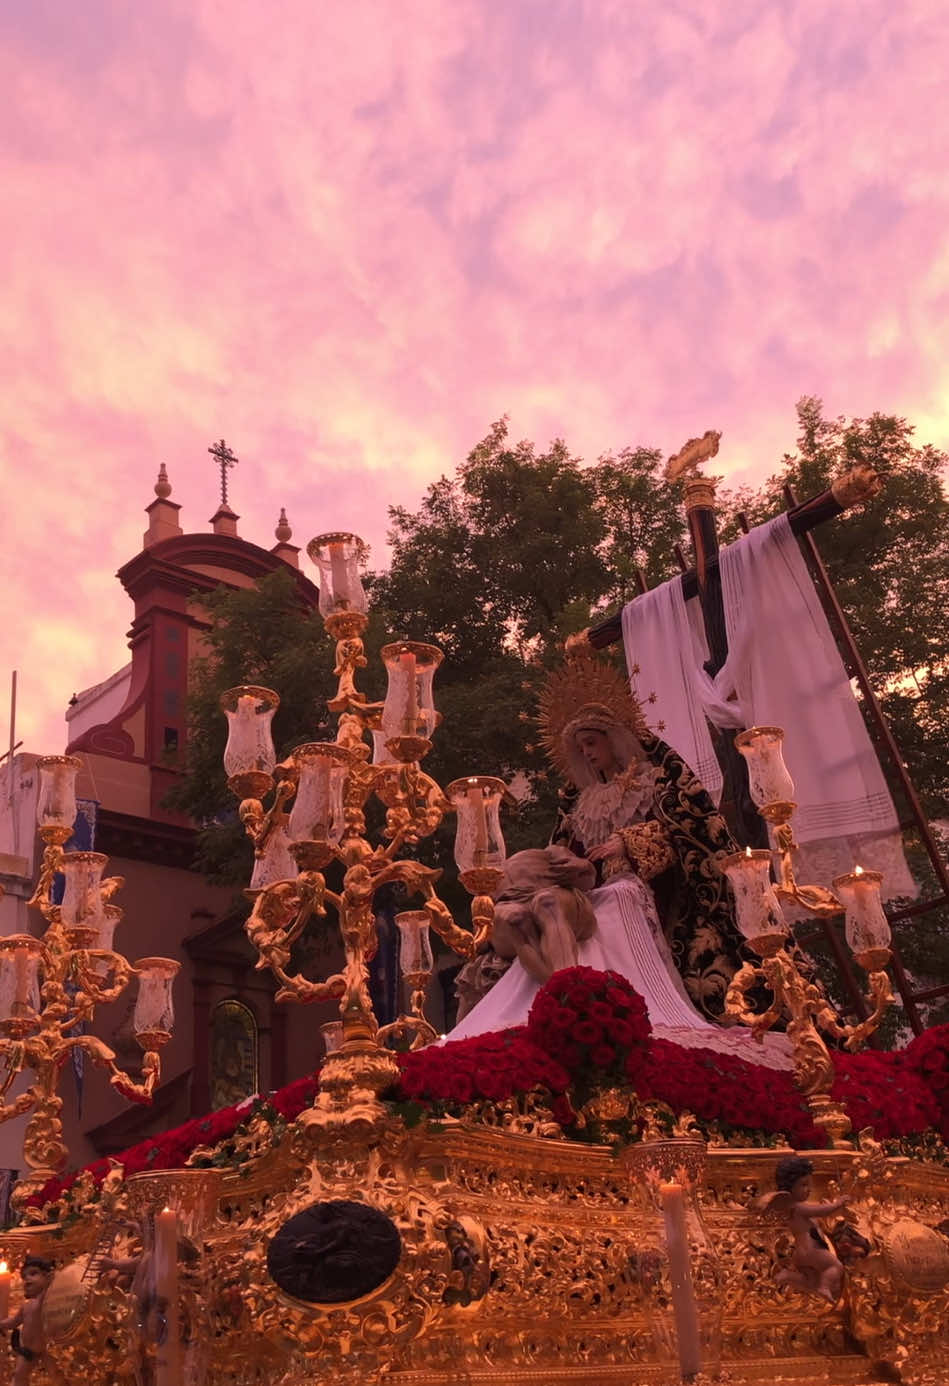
407, 665
167, 1371
476, 800
757, 910
866, 924
339, 574
4, 1289
684, 1307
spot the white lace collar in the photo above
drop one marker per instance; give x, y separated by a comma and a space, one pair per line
616, 803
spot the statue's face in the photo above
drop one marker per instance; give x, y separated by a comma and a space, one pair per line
596, 751
35, 1280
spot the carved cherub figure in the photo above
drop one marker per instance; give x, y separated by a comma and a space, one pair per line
29, 1339
815, 1267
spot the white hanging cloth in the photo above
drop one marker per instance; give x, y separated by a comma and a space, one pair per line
783, 669
665, 648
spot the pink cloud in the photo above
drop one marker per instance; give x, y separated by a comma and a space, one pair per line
349, 240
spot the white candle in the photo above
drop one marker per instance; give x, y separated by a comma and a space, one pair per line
684, 1307
768, 778
339, 575
4, 1289
757, 910
476, 800
407, 665
21, 964
167, 1370
866, 924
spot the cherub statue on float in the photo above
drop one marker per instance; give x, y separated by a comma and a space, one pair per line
28, 1340
815, 1266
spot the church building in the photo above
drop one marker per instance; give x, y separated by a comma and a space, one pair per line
129, 731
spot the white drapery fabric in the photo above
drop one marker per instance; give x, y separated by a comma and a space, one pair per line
783, 669
629, 940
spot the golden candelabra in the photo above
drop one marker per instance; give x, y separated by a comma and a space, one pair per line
800, 1002
50, 987
330, 784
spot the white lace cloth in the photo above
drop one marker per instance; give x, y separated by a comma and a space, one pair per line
625, 799
629, 940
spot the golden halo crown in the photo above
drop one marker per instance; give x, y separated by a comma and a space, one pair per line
584, 684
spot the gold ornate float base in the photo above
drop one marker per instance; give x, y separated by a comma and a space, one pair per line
519, 1259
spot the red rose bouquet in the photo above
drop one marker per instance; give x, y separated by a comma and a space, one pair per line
593, 1024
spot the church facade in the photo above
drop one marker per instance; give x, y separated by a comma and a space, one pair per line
129, 732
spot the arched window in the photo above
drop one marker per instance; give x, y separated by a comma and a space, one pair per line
234, 1054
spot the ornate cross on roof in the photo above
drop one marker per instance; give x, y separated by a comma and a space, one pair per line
225, 458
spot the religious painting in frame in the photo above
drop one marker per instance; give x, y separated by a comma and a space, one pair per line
234, 1054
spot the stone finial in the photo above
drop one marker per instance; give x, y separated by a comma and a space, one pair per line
162, 513
283, 548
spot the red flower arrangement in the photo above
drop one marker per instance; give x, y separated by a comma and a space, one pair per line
592, 1023
886, 1092
927, 1057
172, 1149
490, 1067
586, 1030
727, 1090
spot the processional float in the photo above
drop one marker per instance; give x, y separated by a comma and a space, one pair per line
480, 1247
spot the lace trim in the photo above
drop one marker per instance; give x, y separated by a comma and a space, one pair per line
602, 808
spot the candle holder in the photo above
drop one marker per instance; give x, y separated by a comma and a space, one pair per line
337, 557
249, 756
415, 964
50, 988
409, 717
795, 999
334, 781
772, 791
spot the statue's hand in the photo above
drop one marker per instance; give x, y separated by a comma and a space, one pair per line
612, 847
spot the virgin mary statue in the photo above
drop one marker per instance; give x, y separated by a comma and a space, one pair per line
643, 833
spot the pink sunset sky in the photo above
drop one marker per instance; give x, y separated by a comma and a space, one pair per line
348, 236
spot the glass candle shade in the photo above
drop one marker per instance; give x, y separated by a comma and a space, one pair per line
866, 925
409, 708
250, 749
415, 945
275, 862
20, 957
112, 916
333, 1036
154, 1016
479, 842
757, 910
56, 802
337, 557
381, 755
83, 906
317, 814
768, 778
104, 942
